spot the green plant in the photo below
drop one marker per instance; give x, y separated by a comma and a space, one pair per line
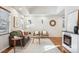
15, 33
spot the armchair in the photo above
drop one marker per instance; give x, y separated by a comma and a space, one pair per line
44, 34
18, 34
36, 33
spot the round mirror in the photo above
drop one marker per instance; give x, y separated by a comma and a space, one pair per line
52, 23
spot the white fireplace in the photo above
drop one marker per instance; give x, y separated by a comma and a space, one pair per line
71, 42
67, 40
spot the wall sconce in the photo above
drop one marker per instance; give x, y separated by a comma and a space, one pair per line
30, 21
42, 21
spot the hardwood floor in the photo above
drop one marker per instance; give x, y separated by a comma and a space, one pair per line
58, 41
55, 40
7, 50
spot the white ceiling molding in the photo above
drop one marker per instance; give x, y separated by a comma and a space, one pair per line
41, 10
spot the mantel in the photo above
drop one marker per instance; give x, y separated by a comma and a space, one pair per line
70, 32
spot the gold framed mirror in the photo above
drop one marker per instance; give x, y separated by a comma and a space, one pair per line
52, 22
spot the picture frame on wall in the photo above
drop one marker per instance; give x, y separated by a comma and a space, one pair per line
4, 21
14, 21
63, 24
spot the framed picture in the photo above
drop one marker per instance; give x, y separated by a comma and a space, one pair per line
4, 21
14, 21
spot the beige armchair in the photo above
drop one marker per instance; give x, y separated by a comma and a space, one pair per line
36, 34
44, 34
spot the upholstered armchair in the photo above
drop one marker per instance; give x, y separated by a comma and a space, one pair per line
18, 33
36, 33
44, 34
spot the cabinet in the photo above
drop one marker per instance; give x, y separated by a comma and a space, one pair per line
74, 42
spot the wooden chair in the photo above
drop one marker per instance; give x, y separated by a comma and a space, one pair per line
36, 33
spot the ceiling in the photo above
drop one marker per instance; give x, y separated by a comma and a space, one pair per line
44, 10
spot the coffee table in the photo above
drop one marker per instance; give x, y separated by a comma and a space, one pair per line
38, 37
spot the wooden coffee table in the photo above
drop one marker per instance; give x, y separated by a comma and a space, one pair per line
38, 37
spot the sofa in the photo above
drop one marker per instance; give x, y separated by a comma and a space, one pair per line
24, 35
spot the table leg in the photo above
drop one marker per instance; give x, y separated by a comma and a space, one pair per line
39, 40
14, 45
33, 40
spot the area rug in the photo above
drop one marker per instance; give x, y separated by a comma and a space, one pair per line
45, 46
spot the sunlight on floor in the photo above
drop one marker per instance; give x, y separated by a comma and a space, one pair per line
49, 47
45, 46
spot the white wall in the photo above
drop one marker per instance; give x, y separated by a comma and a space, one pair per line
71, 17
57, 30
4, 41
72, 21
53, 31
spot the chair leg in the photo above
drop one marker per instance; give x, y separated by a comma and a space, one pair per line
21, 42
39, 40
14, 45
